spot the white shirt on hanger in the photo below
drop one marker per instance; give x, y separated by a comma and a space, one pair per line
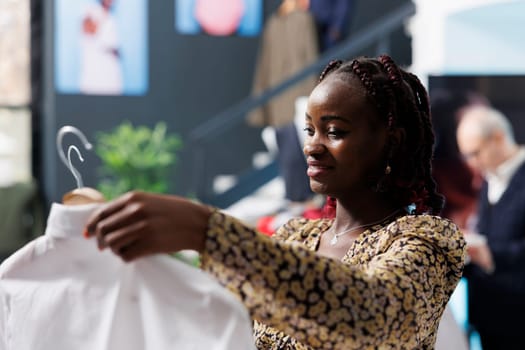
60, 292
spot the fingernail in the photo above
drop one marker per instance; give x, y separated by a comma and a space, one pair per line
85, 234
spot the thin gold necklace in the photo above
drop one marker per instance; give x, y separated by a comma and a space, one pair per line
336, 236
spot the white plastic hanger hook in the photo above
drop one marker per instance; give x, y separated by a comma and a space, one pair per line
74, 171
60, 135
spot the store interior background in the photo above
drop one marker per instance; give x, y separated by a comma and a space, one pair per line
468, 44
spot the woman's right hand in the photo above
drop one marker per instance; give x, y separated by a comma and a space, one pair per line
139, 224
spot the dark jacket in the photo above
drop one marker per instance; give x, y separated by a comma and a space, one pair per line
330, 16
497, 300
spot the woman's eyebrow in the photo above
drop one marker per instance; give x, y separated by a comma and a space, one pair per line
327, 118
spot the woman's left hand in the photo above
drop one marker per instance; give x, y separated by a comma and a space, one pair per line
139, 224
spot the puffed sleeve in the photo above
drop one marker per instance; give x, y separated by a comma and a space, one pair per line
399, 294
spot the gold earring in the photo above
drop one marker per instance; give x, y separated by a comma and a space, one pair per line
388, 170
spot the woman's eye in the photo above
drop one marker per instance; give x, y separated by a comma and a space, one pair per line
309, 131
334, 133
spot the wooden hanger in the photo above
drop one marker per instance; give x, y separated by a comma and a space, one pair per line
84, 195
81, 194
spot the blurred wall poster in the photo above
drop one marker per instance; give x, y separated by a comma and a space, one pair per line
219, 17
14, 53
101, 47
15, 146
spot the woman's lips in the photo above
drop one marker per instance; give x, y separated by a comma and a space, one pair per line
315, 170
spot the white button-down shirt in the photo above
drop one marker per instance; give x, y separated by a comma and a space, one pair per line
498, 181
60, 292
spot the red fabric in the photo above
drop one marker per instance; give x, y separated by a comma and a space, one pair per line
460, 186
264, 225
313, 214
329, 208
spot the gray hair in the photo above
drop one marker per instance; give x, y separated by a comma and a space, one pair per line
490, 120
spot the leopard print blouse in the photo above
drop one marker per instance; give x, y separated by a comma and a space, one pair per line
389, 292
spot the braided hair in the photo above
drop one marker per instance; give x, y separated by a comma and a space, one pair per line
402, 102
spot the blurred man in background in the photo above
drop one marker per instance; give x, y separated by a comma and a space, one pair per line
496, 274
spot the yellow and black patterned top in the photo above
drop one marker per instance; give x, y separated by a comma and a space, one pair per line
389, 292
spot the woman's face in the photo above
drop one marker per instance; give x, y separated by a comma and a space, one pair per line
345, 142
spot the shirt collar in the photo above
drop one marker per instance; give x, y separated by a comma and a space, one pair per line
68, 220
507, 169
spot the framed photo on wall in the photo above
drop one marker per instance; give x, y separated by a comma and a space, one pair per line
219, 17
14, 53
101, 47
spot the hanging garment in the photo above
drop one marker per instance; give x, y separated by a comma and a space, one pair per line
59, 292
289, 44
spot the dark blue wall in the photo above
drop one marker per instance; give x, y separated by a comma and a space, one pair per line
191, 78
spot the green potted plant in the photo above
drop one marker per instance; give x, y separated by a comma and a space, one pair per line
136, 158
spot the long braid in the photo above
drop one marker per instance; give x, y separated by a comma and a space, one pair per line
334, 64
435, 201
402, 102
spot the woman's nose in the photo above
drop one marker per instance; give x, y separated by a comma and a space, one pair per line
312, 147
